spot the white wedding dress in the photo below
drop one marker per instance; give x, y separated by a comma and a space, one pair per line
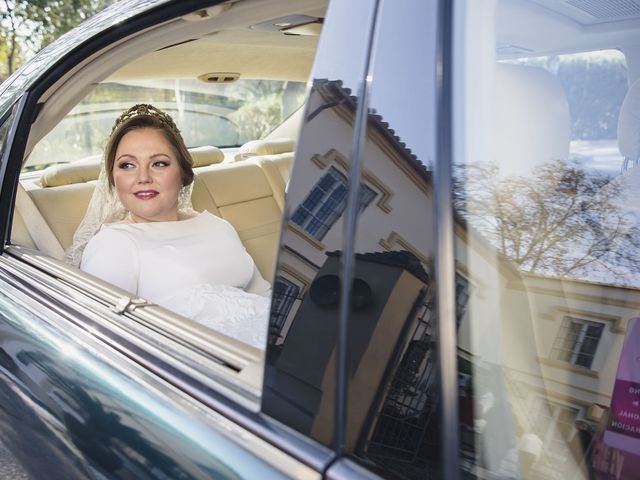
196, 267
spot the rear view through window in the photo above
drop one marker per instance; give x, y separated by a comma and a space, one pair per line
548, 237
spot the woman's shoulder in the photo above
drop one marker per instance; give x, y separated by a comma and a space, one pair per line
203, 223
209, 218
108, 244
115, 233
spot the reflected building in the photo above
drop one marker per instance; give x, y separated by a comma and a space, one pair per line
537, 354
391, 364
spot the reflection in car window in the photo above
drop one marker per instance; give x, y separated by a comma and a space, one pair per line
218, 114
391, 419
300, 374
396, 425
547, 234
326, 202
595, 84
5, 126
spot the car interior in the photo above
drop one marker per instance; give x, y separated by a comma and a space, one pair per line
245, 184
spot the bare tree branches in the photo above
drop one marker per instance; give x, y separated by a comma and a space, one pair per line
562, 221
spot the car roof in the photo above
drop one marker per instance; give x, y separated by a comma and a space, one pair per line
49, 56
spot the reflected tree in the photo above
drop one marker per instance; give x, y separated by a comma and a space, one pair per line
32, 24
266, 104
561, 221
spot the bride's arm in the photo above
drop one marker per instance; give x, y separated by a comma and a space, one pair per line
112, 256
258, 284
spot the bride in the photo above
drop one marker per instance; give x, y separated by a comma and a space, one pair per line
141, 233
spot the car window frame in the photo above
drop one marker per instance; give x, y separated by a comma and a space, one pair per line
12, 147
39, 269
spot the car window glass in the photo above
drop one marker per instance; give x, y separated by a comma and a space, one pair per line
595, 84
208, 113
300, 375
547, 252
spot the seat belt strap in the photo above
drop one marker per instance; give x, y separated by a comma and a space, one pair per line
42, 235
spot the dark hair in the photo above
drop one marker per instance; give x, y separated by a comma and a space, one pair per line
147, 116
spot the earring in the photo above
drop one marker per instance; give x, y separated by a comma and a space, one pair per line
184, 197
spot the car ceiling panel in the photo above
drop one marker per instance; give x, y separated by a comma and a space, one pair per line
531, 28
252, 60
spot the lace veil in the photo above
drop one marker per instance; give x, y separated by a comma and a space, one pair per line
105, 207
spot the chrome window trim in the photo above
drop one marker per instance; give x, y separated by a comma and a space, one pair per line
351, 213
14, 114
444, 260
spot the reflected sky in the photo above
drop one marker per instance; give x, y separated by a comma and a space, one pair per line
396, 88
597, 155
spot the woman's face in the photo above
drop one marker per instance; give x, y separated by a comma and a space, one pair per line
147, 176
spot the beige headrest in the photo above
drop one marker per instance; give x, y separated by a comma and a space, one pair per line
207, 155
69, 173
88, 169
532, 121
629, 124
265, 147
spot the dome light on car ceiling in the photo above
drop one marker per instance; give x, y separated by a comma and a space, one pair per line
219, 77
292, 25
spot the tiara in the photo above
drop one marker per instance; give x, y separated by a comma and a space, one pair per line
146, 110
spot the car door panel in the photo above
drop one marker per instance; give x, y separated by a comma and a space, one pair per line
111, 416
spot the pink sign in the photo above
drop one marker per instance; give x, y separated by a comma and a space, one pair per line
625, 413
623, 431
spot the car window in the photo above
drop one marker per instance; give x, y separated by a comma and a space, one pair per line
208, 113
241, 174
157, 359
547, 252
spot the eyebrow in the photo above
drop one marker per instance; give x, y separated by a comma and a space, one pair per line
155, 155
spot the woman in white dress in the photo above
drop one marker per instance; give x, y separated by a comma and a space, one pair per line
141, 234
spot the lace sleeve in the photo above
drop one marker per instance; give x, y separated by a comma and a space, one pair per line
104, 207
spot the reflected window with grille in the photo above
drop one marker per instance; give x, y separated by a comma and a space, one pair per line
463, 290
285, 293
577, 341
405, 429
326, 202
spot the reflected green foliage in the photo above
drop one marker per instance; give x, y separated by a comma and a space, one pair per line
30, 25
560, 221
52, 18
223, 115
265, 107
